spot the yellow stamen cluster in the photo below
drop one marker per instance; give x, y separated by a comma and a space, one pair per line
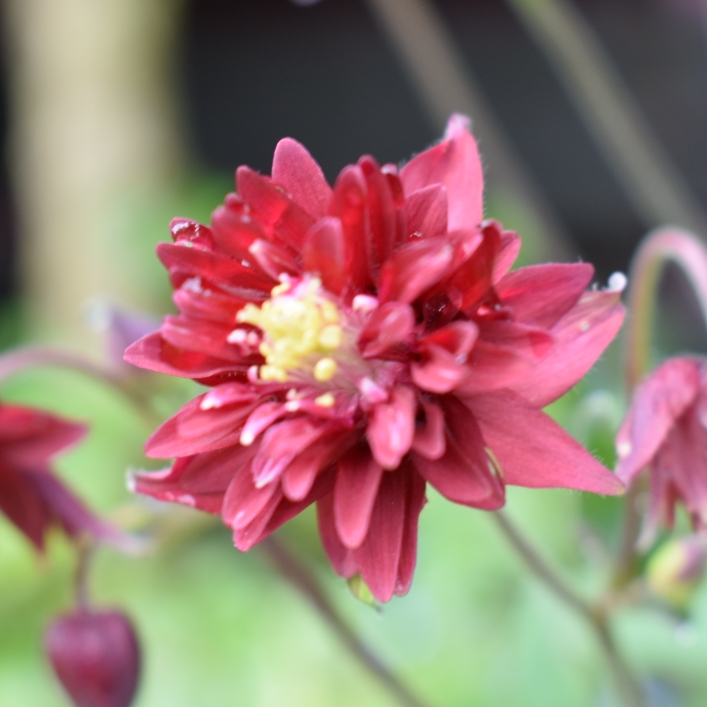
301, 328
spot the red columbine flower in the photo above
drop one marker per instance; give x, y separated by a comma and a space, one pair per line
30, 495
666, 431
363, 341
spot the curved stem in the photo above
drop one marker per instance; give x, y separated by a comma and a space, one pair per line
628, 685
292, 569
541, 568
656, 250
32, 356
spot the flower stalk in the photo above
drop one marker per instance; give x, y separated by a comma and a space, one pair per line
23, 358
596, 615
299, 576
84, 556
659, 247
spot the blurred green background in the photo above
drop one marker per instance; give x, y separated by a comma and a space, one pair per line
122, 114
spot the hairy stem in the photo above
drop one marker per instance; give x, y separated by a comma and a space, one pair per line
628, 686
295, 572
32, 356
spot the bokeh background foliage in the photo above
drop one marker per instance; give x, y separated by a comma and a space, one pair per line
119, 115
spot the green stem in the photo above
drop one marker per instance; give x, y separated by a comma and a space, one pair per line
292, 569
21, 359
84, 555
662, 246
628, 686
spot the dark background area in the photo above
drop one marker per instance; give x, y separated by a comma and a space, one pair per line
252, 72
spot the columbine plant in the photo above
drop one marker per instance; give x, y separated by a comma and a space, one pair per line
357, 343
361, 342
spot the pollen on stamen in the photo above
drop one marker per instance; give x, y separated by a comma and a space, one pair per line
325, 369
326, 400
280, 289
331, 336
273, 373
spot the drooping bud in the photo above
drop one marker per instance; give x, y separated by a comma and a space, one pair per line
676, 568
119, 329
95, 655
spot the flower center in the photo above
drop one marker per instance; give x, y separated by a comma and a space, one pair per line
301, 329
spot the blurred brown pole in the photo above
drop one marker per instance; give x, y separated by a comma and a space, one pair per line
92, 122
445, 84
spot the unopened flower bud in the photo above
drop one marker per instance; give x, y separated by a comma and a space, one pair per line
95, 656
676, 568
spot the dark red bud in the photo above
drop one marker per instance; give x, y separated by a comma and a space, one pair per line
95, 656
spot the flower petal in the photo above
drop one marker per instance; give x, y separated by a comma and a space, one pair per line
444, 353
155, 354
426, 211
272, 518
197, 302
414, 503
233, 228
382, 214
273, 259
535, 451
378, 556
473, 278
206, 337
455, 163
260, 419
244, 500
683, 460
415, 268
278, 214
658, 403
299, 475
339, 555
464, 473
504, 355
430, 440
581, 336
510, 247
193, 430
357, 481
184, 263
281, 444
32, 437
34, 499
391, 428
349, 205
296, 170
389, 325
540, 294
324, 254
